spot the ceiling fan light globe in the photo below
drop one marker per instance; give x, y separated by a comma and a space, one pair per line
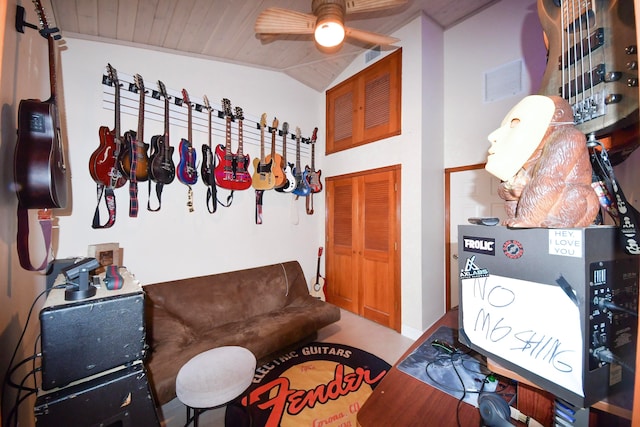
329, 33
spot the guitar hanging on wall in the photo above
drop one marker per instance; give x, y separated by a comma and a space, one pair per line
231, 169
262, 178
277, 163
206, 170
39, 168
136, 140
593, 63
104, 161
290, 180
40, 171
187, 171
313, 175
162, 169
302, 185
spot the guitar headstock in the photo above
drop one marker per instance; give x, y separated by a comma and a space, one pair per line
206, 103
43, 20
137, 79
298, 134
263, 120
314, 135
113, 75
185, 98
226, 108
163, 90
285, 128
239, 113
274, 125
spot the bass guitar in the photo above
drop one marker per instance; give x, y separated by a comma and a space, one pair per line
302, 183
135, 141
187, 171
313, 175
592, 54
262, 178
277, 163
290, 180
231, 169
39, 167
318, 287
162, 170
104, 161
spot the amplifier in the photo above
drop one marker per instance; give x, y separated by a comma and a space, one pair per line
120, 397
86, 337
556, 306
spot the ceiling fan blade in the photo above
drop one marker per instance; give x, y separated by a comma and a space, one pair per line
284, 21
369, 37
357, 6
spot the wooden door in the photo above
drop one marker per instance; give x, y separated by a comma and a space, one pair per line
363, 257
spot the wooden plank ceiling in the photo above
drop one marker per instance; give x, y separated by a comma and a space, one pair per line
223, 30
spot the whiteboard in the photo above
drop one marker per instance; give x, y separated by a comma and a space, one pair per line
533, 325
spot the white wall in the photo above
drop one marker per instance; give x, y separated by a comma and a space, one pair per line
174, 243
503, 33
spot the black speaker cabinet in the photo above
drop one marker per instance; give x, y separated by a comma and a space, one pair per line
83, 338
120, 398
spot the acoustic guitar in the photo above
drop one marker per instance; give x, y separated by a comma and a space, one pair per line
313, 175
40, 170
290, 180
135, 140
162, 169
262, 178
187, 171
318, 287
277, 163
593, 63
105, 160
302, 184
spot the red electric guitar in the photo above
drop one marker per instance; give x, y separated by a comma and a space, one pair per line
40, 172
104, 161
318, 287
231, 170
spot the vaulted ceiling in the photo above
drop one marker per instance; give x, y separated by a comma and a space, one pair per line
223, 30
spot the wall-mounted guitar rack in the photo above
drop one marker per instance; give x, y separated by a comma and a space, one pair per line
178, 117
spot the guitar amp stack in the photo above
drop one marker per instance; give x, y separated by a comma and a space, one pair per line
92, 359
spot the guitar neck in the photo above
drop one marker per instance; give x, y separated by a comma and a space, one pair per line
262, 144
166, 125
227, 145
189, 115
139, 135
240, 137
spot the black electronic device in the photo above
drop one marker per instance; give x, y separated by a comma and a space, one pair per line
556, 306
83, 338
77, 277
121, 397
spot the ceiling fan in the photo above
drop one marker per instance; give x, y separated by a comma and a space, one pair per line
326, 22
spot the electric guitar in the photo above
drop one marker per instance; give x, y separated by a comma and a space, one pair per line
277, 164
104, 161
590, 61
313, 175
206, 170
302, 185
318, 287
40, 171
243, 177
135, 140
290, 183
187, 171
231, 172
162, 170
262, 178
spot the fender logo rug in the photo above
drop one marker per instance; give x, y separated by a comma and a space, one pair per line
317, 385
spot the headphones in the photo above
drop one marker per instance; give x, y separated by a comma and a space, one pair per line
495, 411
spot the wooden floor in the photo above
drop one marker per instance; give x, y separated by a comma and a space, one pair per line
351, 330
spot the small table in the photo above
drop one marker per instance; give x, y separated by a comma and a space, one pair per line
214, 378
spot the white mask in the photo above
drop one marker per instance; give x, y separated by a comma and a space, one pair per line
520, 133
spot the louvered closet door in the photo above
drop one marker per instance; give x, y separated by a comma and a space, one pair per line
363, 274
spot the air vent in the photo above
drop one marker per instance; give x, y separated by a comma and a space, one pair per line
371, 54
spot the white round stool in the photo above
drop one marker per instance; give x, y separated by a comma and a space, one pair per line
214, 378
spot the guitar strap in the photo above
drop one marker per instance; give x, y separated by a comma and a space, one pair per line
133, 180
22, 238
159, 187
110, 200
259, 194
309, 204
622, 212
